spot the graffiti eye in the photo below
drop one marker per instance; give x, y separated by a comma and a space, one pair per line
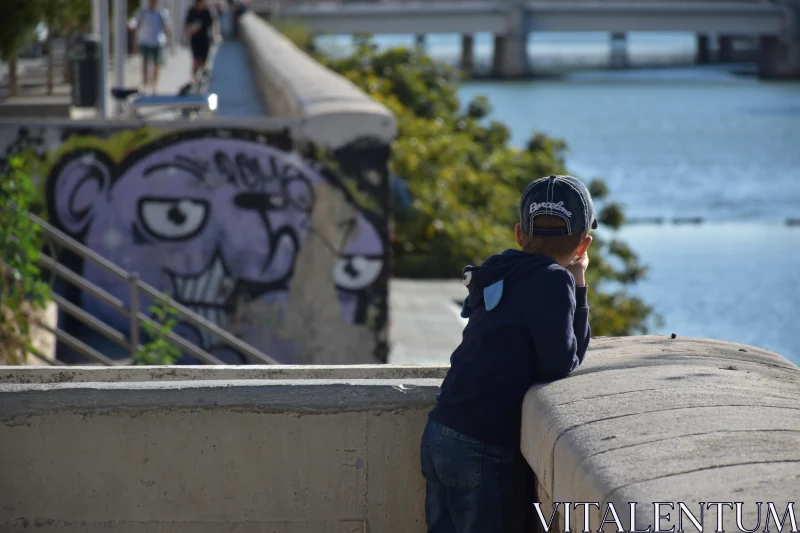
173, 219
357, 272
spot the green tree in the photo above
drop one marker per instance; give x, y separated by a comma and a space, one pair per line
22, 290
466, 178
16, 29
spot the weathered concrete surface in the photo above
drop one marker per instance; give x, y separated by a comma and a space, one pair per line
334, 112
336, 449
650, 419
131, 374
292, 456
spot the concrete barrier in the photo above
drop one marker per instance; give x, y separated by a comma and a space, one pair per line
332, 110
223, 449
654, 419
336, 449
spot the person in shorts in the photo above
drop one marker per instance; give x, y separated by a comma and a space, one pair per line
528, 323
202, 30
153, 30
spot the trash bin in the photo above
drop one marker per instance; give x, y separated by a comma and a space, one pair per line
84, 65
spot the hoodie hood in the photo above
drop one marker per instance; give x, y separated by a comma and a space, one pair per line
487, 281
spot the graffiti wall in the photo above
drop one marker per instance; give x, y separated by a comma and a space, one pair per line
285, 247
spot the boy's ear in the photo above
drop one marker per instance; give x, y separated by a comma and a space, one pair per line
518, 234
584, 245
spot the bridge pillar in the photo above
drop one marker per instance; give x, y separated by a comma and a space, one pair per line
467, 54
725, 52
779, 57
703, 53
419, 41
619, 50
510, 56
511, 49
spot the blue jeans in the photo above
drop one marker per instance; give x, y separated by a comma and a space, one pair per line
469, 485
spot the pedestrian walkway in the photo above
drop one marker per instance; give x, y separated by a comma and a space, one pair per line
173, 74
233, 81
425, 320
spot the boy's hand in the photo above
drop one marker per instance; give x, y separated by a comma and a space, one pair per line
579, 265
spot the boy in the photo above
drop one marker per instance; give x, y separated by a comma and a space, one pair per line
528, 323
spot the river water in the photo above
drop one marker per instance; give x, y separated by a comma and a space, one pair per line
680, 142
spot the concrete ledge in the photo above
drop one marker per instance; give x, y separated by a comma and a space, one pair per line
332, 110
253, 396
131, 374
654, 419
210, 453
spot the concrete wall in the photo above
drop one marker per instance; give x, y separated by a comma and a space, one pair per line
313, 448
278, 239
332, 110
213, 449
654, 419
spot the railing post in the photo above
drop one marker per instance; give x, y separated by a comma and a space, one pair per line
134, 309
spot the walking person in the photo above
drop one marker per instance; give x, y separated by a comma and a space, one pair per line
202, 29
152, 30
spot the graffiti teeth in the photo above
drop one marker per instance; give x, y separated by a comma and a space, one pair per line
206, 294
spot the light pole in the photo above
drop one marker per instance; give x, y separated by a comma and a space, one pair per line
96, 16
102, 110
121, 45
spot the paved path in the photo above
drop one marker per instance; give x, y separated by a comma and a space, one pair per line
173, 74
425, 322
234, 82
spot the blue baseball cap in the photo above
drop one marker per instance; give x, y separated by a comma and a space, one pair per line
561, 196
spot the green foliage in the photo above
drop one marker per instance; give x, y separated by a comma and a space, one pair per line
297, 32
22, 290
17, 24
465, 179
159, 350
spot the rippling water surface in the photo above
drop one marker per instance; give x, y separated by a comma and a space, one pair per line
679, 142
688, 143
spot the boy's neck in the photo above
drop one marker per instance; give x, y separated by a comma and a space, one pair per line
563, 262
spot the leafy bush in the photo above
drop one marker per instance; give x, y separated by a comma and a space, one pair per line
159, 350
22, 290
466, 179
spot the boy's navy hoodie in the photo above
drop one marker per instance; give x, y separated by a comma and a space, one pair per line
528, 323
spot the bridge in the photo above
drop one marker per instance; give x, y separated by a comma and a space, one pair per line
511, 21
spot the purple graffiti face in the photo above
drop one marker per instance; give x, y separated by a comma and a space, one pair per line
208, 220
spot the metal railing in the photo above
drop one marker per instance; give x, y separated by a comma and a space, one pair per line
133, 312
